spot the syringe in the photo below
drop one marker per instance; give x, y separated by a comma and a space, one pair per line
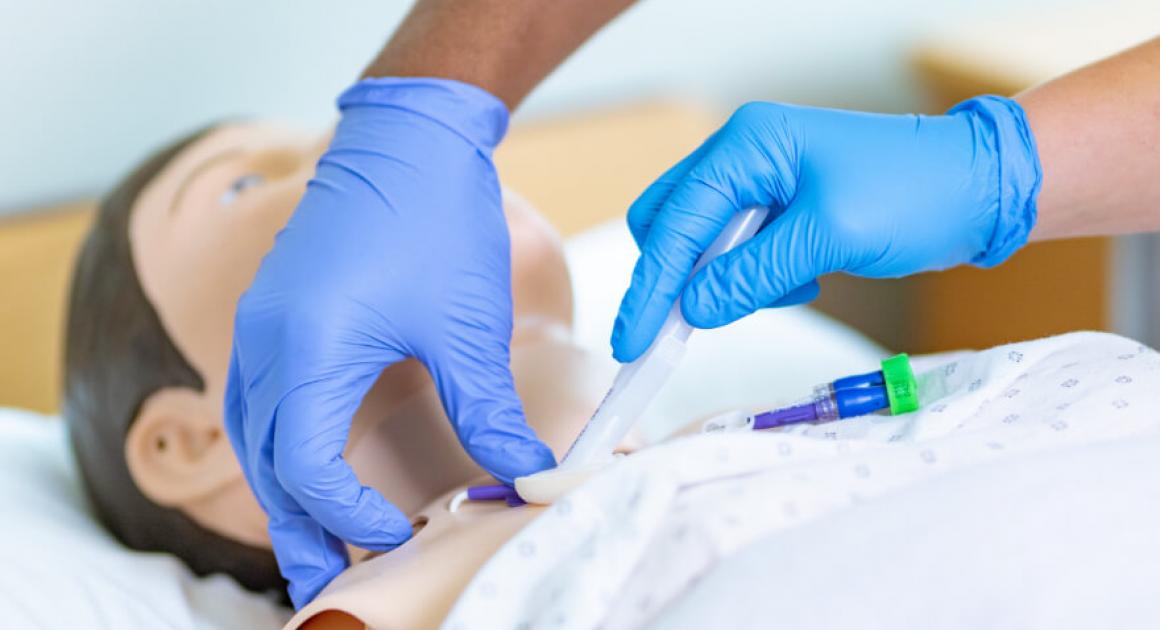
635, 385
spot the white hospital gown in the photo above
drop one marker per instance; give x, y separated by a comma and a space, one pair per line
615, 552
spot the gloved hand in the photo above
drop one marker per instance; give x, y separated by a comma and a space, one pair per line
399, 248
868, 194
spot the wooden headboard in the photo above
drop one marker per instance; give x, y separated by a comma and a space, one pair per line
36, 254
579, 170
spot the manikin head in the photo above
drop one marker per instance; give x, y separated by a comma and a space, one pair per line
148, 342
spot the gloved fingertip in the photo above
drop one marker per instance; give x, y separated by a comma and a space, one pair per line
391, 529
625, 348
697, 317
304, 588
519, 458
617, 340
390, 537
701, 304
536, 456
628, 343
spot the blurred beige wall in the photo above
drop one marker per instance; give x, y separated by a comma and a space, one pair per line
93, 86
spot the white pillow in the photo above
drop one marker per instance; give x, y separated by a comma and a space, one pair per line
60, 569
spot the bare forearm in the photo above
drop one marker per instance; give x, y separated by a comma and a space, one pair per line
504, 46
1098, 132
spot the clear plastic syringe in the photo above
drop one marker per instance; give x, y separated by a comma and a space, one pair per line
637, 383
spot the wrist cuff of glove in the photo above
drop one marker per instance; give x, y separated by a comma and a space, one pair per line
470, 111
1004, 126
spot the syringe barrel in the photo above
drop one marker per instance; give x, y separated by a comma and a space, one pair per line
638, 382
634, 388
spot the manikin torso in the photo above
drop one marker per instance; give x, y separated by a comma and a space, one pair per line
415, 585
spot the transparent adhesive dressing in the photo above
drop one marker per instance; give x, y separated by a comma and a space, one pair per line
635, 385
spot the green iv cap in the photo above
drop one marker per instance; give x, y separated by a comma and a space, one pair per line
901, 388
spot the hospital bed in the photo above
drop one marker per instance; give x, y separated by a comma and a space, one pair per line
860, 566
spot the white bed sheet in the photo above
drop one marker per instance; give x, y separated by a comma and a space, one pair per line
59, 568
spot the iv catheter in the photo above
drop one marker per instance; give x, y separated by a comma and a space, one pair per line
893, 388
635, 385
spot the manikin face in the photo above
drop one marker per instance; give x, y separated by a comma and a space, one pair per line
198, 233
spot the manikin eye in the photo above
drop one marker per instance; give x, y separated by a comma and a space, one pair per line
239, 186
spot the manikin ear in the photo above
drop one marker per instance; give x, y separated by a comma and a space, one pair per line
177, 449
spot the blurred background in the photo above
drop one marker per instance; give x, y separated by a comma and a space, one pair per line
92, 87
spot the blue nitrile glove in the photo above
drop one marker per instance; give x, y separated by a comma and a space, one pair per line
868, 194
399, 248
